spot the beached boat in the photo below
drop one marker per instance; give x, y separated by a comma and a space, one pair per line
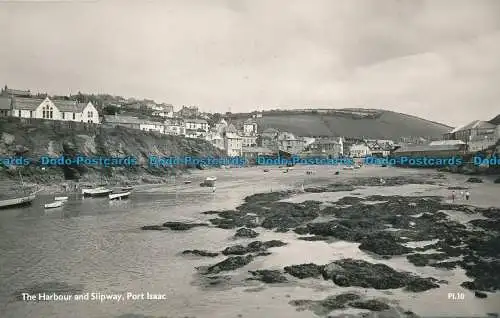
61, 199
119, 196
187, 182
210, 181
348, 168
96, 192
53, 205
17, 202
127, 188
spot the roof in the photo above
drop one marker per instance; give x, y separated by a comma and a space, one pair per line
476, 124
5, 103
270, 131
197, 121
421, 148
446, 142
250, 121
287, 136
231, 135
20, 92
69, 106
26, 103
257, 150
115, 119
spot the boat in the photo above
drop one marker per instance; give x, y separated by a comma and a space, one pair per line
127, 188
55, 204
17, 202
24, 200
119, 196
337, 173
187, 182
96, 192
356, 166
61, 199
266, 170
210, 181
348, 168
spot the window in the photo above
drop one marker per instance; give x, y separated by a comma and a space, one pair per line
47, 112
89, 114
62, 115
31, 114
19, 113
74, 116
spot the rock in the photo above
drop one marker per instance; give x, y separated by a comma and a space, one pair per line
200, 253
245, 232
418, 259
373, 305
7, 139
497, 180
154, 227
268, 276
304, 270
325, 306
474, 180
253, 247
229, 264
383, 246
182, 226
479, 294
359, 273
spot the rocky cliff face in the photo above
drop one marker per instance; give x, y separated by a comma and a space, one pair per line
44, 138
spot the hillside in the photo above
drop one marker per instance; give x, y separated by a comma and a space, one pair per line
353, 123
496, 120
57, 138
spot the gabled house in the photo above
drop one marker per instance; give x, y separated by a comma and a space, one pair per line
54, 110
232, 142
332, 147
359, 150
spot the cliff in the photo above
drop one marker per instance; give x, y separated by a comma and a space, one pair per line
34, 138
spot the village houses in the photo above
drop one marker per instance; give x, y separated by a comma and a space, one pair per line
232, 142
359, 150
163, 110
133, 123
249, 135
196, 128
332, 147
478, 135
175, 126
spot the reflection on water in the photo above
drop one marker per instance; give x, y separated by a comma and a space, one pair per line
98, 244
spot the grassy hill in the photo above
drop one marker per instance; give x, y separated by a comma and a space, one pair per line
352, 123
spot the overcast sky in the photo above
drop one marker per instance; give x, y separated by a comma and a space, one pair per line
437, 59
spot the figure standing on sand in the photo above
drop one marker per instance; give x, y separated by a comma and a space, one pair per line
467, 195
462, 195
452, 196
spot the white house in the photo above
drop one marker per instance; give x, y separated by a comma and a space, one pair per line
359, 150
250, 127
163, 110
175, 126
232, 142
195, 124
152, 126
216, 139
54, 110
5, 106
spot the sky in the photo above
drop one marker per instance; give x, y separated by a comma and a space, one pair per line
437, 59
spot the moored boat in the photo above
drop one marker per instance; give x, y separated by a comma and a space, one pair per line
55, 204
60, 198
17, 202
96, 192
119, 196
127, 188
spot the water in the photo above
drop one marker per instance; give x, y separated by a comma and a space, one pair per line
100, 246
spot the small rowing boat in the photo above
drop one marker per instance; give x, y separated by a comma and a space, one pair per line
128, 188
210, 182
60, 198
53, 205
119, 196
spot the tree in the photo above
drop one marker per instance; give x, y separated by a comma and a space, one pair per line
110, 110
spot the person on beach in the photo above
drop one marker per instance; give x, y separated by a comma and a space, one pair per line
467, 195
462, 195
452, 196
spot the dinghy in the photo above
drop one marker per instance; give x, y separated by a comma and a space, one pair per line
55, 204
21, 201
60, 198
210, 182
119, 196
128, 188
